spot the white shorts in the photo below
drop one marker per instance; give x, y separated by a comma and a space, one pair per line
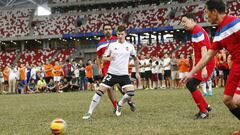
182, 74
57, 78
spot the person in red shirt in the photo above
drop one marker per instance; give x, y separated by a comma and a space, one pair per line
101, 48
227, 36
201, 43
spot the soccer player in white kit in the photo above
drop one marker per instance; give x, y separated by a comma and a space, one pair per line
118, 54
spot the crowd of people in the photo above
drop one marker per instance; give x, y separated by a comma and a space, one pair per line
44, 77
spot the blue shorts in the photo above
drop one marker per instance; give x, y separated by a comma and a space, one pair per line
24, 82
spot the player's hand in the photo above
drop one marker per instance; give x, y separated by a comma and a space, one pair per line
204, 73
186, 78
138, 77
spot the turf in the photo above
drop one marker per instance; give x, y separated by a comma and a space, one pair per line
159, 112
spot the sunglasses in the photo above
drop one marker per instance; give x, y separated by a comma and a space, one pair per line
108, 29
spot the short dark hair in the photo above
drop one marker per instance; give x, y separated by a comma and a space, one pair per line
190, 16
121, 28
219, 5
107, 24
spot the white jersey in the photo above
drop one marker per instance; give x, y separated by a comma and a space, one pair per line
155, 67
121, 53
147, 62
160, 69
132, 62
166, 63
141, 69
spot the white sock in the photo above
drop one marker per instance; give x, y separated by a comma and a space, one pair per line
124, 99
95, 100
209, 85
204, 85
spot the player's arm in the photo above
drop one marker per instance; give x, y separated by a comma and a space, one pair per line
203, 53
107, 55
98, 59
136, 62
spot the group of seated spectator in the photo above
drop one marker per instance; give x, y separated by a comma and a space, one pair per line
44, 77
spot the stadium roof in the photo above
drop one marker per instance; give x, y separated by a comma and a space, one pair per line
10, 3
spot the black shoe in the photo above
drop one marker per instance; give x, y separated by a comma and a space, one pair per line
132, 106
202, 115
209, 109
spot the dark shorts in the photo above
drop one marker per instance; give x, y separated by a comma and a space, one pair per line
148, 74
90, 80
167, 73
160, 76
24, 82
110, 80
5, 82
142, 74
96, 78
133, 75
48, 79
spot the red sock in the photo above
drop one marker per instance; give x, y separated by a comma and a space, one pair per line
115, 104
199, 100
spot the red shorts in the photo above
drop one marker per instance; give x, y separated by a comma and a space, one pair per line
209, 68
154, 77
233, 81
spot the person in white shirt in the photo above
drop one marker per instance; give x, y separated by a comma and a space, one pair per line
148, 72
133, 73
167, 70
12, 80
161, 74
142, 70
118, 53
154, 78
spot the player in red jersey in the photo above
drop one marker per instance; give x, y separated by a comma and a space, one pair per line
201, 44
227, 36
101, 48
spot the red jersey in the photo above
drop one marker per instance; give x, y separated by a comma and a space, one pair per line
101, 48
228, 36
199, 39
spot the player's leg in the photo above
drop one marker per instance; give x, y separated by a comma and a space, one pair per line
129, 88
198, 98
95, 100
112, 98
129, 101
107, 83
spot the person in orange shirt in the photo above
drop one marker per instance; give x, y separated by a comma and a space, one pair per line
89, 73
23, 76
48, 71
57, 72
183, 66
5, 77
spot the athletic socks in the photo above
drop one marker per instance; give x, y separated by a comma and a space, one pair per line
95, 100
199, 100
210, 89
236, 112
115, 104
204, 87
